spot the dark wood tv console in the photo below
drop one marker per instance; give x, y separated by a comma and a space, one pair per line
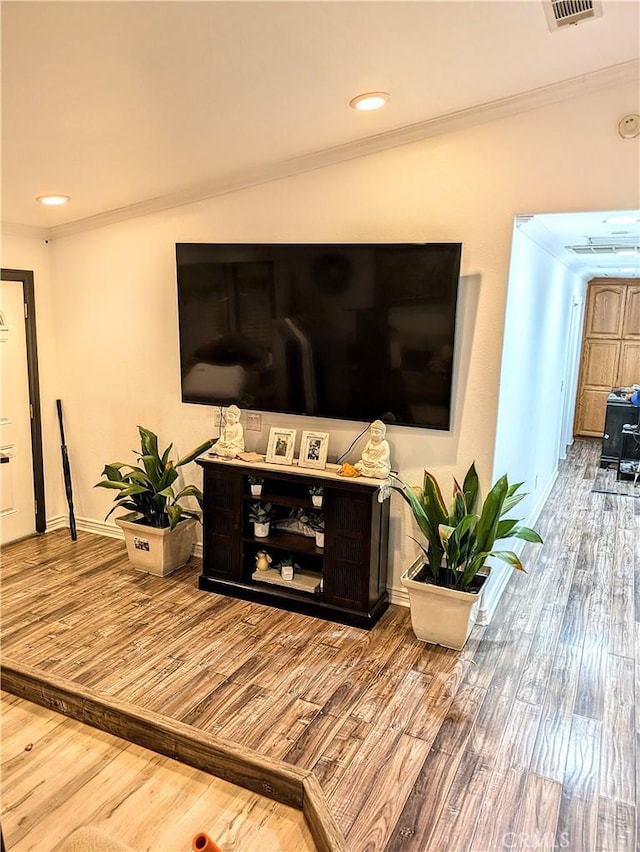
351, 568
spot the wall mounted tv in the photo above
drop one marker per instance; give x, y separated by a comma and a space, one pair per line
356, 332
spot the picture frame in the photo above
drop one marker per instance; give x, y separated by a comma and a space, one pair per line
281, 445
313, 450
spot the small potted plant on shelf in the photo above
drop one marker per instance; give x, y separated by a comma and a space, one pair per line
260, 515
158, 530
286, 568
256, 483
445, 583
316, 522
316, 493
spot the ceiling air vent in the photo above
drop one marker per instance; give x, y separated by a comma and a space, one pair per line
563, 13
625, 247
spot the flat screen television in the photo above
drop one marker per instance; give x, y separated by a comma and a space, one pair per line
346, 331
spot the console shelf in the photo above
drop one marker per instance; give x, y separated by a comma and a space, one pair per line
352, 566
284, 541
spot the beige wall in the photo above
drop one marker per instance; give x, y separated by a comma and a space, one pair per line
115, 317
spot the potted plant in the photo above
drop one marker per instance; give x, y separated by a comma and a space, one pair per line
260, 515
444, 584
316, 522
255, 484
316, 493
158, 529
286, 567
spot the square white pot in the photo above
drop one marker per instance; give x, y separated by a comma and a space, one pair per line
439, 615
154, 550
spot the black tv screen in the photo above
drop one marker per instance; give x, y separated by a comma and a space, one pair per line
356, 332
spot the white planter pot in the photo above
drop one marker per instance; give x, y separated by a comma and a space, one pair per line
316, 500
256, 490
157, 551
319, 539
440, 616
261, 530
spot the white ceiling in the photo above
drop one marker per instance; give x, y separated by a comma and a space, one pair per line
587, 243
127, 105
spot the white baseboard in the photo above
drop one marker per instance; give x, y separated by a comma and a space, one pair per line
91, 525
398, 596
494, 587
501, 574
57, 522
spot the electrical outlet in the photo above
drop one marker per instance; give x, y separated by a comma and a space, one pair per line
217, 415
253, 422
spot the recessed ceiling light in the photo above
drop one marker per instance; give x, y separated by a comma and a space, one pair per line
52, 200
369, 101
622, 220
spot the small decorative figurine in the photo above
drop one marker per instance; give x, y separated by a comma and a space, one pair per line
263, 560
347, 469
375, 461
231, 440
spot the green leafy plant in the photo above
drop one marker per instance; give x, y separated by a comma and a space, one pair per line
147, 488
316, 490
255, 480
285, 562
261, 513
458, 540
316, 521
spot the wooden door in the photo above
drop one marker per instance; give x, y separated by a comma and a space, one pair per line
223, 524
593, 403
610, 350
348, 549
629, 369
600, 363
605, 310
631, 327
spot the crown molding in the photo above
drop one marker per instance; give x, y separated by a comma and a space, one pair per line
15, 229
625, 72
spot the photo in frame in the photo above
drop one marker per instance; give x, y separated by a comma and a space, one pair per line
281, 445
313, 450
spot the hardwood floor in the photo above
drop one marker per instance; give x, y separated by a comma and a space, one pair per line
527, 739
59, 775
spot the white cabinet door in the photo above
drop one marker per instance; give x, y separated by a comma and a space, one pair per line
17, 510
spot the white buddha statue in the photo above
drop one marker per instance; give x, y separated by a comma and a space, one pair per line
231, 440
376, 456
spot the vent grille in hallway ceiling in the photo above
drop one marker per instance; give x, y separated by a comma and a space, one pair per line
562, 13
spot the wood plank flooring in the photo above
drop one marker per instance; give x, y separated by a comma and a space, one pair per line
59, 775
527, 738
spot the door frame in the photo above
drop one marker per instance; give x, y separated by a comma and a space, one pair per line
25, 277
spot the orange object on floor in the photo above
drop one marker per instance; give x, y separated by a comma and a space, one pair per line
203, 843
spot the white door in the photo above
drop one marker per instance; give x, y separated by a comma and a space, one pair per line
17, 508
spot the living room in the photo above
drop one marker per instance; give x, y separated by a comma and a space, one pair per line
105, 278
